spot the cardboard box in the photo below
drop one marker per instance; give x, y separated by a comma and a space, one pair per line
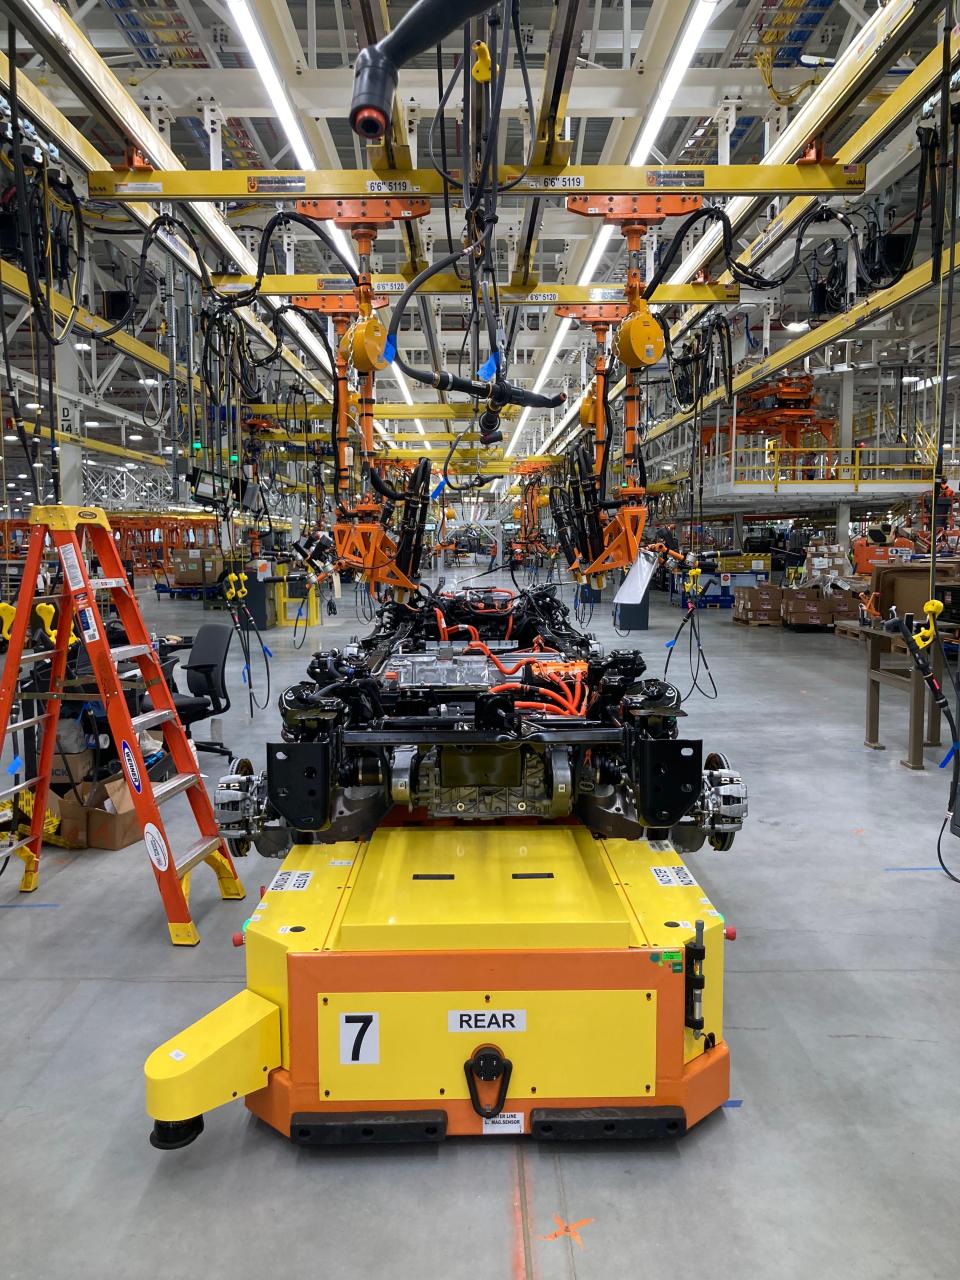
764, 596
807, 613
112, 821
212, 567
803, 593
73, 816
71, 766
108, 810
73, 822
907, 586
187, 566
846, 611
71, 819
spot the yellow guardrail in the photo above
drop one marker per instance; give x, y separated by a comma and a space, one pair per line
854, 468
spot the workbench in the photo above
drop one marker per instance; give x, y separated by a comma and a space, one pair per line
905, 677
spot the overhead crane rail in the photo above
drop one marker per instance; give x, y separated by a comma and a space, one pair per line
271, 185
446, 284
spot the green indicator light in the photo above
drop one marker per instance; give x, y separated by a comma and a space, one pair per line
197, 444
234, 458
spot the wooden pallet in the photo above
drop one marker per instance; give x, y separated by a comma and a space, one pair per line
809, 626
754, 622
849, 629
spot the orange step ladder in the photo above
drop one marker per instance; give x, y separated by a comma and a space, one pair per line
78, 605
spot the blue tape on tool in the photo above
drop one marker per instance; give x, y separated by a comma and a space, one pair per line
489, 366
670, 644
268, 651
390, 348
243, 673
949, 756
15, 765
438, 490
733, 1102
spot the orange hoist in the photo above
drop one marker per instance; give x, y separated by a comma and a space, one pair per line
362, 541
600, 534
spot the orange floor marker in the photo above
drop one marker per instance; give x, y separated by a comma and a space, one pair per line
571, 1229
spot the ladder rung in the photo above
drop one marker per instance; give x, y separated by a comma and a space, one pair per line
37, 655
173, 786
7, 849
21, 786
148, 719
196, 854
125, 651
19, 725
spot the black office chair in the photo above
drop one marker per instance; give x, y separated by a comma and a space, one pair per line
205, 669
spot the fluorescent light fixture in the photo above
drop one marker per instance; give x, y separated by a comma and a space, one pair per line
408, 399
797, 326
32, 404
247, 26
11, 438
82, 346
134, 437
597, 251
923, 384
402, 384
679, 65
558, 340
93, 422
340, 239
670, 84
149, 382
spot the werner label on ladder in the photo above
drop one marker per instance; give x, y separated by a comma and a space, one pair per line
66, 527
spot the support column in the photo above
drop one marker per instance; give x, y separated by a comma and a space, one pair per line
846, 416
846, 453
68, 411
726, 123
773, 125
843, 526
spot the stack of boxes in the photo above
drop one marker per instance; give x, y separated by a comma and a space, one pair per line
795, 606
825, 561
806, 607
191, 566
757, 604
845, 604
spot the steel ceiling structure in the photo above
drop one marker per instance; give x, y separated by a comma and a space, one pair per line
176, 80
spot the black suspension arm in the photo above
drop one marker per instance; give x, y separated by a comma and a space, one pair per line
377, 68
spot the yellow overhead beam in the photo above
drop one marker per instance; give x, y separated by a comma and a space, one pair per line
385, 412
601, 179
877, 304
15, 281
447, 284
79, 53
881, 122
92, 445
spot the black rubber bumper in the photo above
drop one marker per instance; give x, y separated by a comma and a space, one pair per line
632, 1124
171, 1135
356, 1128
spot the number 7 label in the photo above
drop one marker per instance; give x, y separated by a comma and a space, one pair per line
359, 1038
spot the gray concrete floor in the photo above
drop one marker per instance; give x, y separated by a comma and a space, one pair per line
839, 1161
